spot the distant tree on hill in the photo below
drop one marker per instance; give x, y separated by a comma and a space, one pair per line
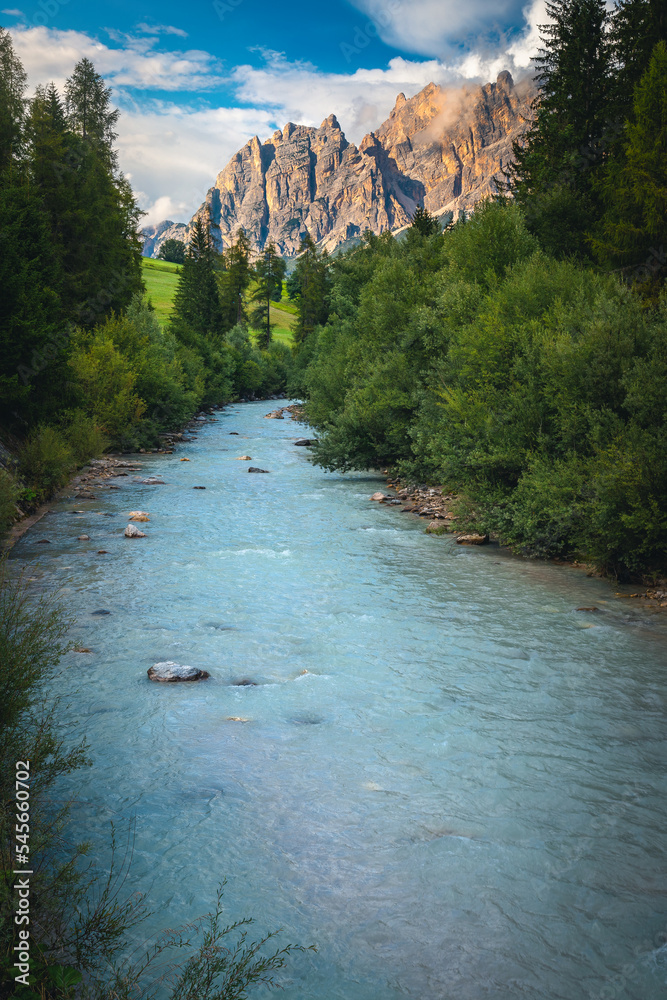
234, 279
269, 273
196, 303
172, 251
312, 269
293, 286
425, 223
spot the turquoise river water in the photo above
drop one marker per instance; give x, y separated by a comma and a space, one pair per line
451, 781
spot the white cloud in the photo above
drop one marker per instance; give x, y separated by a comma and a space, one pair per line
13, 13
51, 54
161, 29
438, 27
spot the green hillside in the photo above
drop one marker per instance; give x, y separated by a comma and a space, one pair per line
161, 279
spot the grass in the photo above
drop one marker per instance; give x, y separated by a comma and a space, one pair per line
161, 279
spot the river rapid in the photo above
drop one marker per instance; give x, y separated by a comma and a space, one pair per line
451, 781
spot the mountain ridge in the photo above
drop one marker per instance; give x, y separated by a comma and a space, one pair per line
441, 148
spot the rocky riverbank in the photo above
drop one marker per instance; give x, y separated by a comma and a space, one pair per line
438, 505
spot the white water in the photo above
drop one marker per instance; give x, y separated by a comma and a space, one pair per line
462, 798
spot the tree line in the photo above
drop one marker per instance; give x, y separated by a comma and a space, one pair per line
521, 356
84, 363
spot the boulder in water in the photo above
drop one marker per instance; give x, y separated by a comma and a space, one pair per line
132, 532
169, 672
472, 540
304, 442
378, 496
253, 469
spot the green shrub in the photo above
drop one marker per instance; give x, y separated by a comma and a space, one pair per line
83, 436
45, 460
9, 497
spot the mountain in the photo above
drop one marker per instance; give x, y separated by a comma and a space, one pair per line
155, 236
440, 149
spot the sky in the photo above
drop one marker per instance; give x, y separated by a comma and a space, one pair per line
196, 80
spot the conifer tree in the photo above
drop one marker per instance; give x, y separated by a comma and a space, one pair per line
312, 270
555, 164
269, 273
424, 223
13, 82
634, 226
89, 111
637, 27
234, 280
196, 303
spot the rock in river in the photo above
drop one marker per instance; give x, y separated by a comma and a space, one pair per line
253, 469
305, 442
170, 672
472, 540
378, 496
132, 532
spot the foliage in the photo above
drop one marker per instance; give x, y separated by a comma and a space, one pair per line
474, 359
633, 230
312, 275
425, 223
196, 303
269, 274
9, 498
234, 281
45, 460
172, 251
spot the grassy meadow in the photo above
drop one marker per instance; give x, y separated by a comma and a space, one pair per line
161, 279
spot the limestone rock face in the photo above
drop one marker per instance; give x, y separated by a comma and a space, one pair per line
445, 147
440, 149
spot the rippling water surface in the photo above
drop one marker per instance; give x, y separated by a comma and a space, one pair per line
450, 780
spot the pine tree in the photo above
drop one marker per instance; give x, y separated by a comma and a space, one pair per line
269, 273
312, 270
634, 227
196, 303
13, 82
89, 111
637, 27
555, 164
424, 223
234, 280
98, 226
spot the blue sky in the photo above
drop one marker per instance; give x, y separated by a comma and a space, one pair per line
196, 80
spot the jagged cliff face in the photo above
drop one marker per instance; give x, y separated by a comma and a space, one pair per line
440, 149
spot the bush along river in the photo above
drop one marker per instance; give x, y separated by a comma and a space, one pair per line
418, 756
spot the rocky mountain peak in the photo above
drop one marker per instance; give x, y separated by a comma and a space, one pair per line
441, 148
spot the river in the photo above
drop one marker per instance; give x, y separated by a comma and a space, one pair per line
451, 780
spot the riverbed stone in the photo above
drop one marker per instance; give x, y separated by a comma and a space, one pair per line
472, 540
253, 469
304, 442
378, 496
169, 672
244, 458
132, 532
84, 538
